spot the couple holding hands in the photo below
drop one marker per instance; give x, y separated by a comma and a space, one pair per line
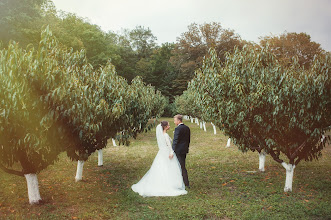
167, 175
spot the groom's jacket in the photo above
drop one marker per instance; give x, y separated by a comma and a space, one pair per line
181, 140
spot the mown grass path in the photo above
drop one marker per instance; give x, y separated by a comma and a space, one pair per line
221, 187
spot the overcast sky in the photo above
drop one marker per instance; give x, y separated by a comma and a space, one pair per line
167, 19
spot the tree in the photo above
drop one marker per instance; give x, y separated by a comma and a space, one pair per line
194, 44
142, 41
31, 132
20, 21
186, 104
143, 104
288, 45
52, 100
265, 105
161, 72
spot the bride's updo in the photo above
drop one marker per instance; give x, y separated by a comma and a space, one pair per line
164, 124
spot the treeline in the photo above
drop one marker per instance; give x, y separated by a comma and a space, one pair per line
168, 67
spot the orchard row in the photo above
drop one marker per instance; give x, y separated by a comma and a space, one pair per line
264, 105
52, 101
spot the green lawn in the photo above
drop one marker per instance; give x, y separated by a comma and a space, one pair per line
221, 187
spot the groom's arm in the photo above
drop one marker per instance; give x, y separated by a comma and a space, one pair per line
175, 141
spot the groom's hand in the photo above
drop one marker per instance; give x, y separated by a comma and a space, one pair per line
171, 156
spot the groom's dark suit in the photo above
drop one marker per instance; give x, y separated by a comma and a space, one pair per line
180, 145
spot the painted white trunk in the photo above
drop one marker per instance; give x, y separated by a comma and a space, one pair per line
114, 142
33, 188
191, 120
79, 173
322, 138
100, 158
214, 127
204, 126
228, 143
289, 176
262, 161
197, 121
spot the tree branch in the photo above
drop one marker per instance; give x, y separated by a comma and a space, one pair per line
274, 156
295, 153
18, 173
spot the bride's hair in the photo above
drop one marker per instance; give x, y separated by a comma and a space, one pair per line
164, 124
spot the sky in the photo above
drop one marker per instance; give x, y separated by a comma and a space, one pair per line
168, 19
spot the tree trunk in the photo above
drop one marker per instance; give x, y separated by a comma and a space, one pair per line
79, 173
289, 176
262, 160
228, 143
197, 121
33, 188
114, 143
204, 126
200, 124
214, 127
191, 120
100, 158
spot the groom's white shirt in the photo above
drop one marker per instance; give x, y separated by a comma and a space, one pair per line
180, 124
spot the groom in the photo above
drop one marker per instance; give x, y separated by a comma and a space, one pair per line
181, 144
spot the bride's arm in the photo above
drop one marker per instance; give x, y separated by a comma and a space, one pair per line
168, 142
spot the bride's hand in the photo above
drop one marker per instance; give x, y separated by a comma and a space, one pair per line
171, 156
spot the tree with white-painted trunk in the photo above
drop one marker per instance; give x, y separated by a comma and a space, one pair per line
79, 171
262, 156
33, 188
228, 142
100, 158
214, 127
267, 107
114, 142
31, 135
204, 126
52, 101
289, 176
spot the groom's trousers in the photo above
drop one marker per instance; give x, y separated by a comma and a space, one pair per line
181, 159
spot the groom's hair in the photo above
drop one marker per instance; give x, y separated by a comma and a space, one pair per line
179, 117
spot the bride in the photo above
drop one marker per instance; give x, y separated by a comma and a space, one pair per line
164, 178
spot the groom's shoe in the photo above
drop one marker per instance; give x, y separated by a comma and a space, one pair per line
187, 187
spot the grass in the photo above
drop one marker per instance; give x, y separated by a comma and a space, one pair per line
221, 187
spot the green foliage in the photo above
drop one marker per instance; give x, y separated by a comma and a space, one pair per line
262, 104
288, 45
143, 104
186, 104
20, 21
53, 100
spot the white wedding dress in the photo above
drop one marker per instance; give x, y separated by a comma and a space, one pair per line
164, 178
